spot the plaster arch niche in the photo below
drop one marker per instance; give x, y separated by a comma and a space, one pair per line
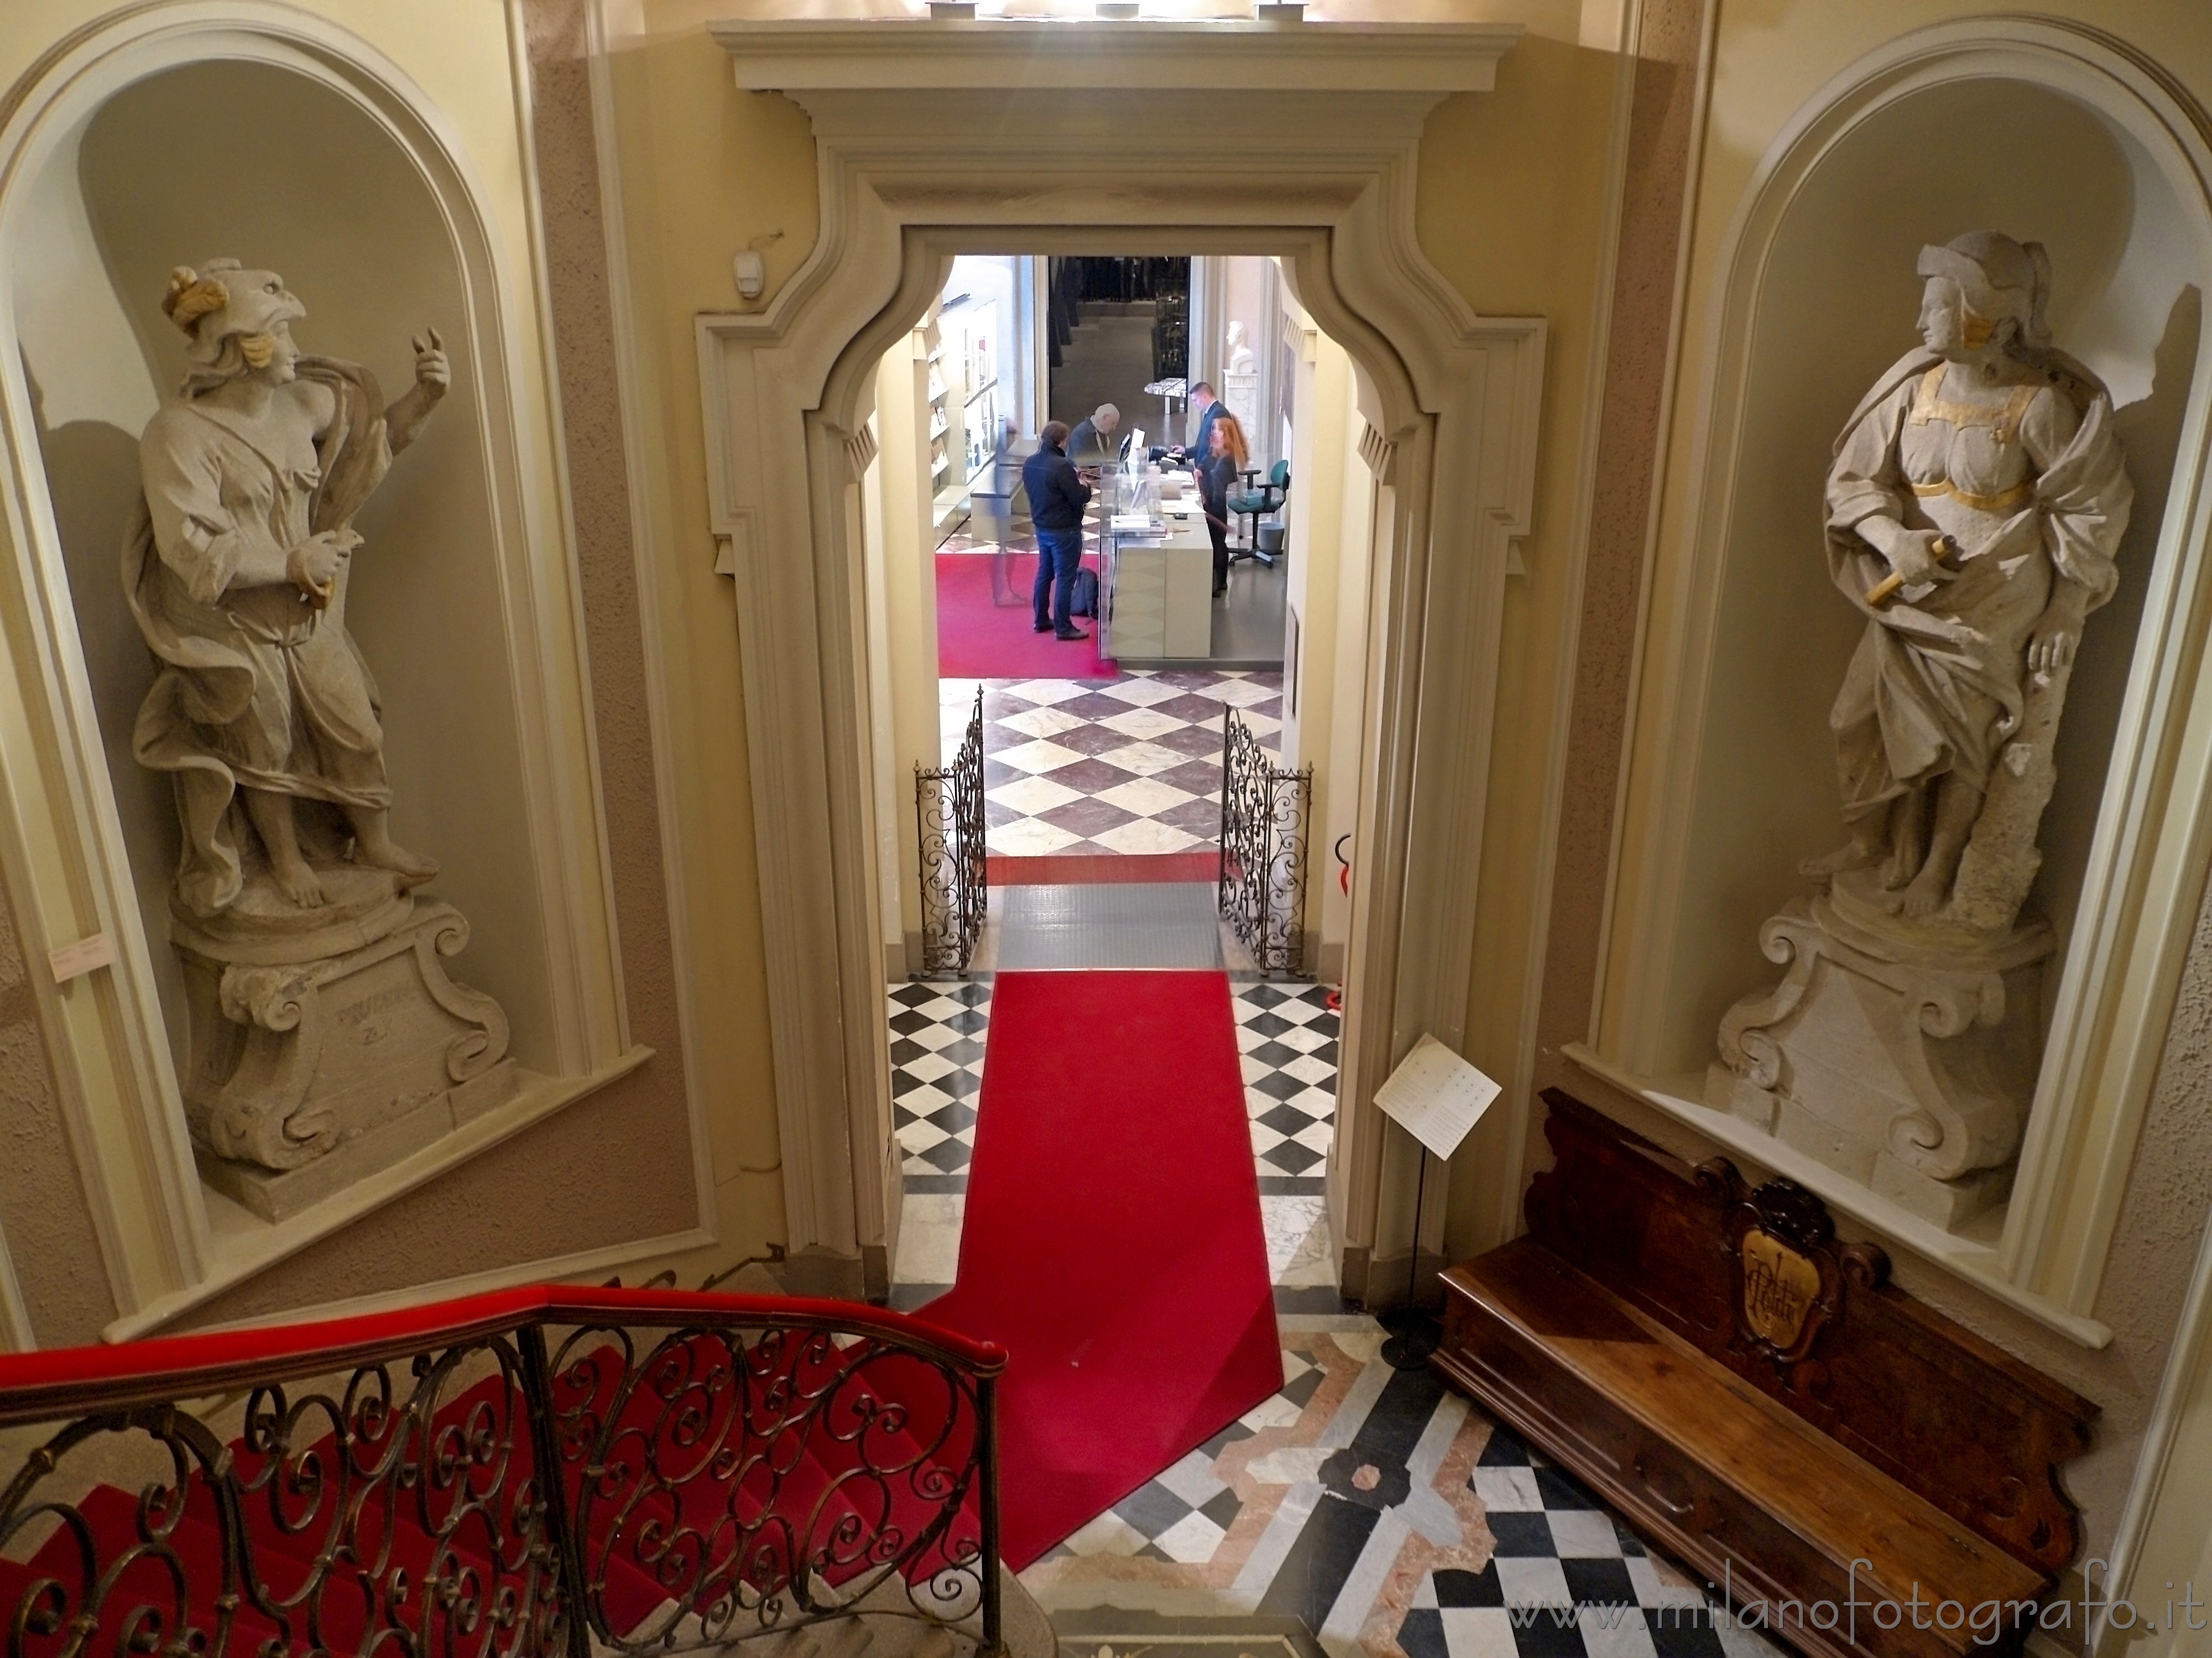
252, 159
1836, 306
2056, 139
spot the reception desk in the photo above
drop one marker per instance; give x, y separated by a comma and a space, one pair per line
1156, 593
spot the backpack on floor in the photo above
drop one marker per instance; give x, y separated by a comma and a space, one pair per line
1083, 595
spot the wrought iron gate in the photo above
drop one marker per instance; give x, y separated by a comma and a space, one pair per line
948, 811
1262, 890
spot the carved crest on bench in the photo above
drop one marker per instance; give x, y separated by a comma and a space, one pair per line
1790, 1275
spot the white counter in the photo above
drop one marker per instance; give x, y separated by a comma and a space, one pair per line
1157, 594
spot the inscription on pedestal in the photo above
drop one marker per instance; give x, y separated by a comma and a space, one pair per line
307, 1076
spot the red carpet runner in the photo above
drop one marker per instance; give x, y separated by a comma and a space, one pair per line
978, 638
1113, 1242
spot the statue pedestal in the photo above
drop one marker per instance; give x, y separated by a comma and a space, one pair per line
1240, 390
1901, 1052
328, 1043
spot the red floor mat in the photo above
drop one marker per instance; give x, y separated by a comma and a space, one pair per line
1063, 868
1113, 1242
978, 638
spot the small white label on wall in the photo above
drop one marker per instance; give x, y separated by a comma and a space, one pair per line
74, 961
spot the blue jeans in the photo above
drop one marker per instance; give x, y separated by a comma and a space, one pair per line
1059, 553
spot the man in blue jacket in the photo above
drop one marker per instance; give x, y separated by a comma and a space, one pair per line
1057, 498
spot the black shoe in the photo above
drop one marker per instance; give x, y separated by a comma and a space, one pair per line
1072, 634
1041, 627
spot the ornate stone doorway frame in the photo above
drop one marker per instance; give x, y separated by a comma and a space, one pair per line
937, 138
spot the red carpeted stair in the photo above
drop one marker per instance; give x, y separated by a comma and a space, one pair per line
1113, 1243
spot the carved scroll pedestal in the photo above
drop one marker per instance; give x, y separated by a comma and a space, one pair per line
1901, 1052
327, 1043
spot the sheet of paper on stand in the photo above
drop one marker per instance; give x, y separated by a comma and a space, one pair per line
1133, 523
1436, 1096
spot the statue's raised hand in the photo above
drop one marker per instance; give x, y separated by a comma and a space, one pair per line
433, 373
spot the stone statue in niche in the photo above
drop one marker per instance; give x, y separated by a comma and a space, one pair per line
325, 1039
1975, 505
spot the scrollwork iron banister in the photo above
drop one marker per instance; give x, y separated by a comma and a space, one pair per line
524, 1475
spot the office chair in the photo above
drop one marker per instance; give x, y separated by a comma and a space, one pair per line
1255, 501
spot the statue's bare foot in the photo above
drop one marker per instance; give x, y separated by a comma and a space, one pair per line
1852, 854
1926, 893
411, 867
297, 883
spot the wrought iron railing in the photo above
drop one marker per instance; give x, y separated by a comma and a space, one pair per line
948, 812
538, 1473
1262, 890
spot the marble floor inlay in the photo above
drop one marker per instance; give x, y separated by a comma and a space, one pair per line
1386, 1516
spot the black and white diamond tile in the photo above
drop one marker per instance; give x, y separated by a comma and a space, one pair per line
1286, 1039
1567, 1579
937, 1032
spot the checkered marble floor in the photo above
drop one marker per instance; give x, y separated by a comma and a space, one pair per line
1287, 1037
1389, 1515
1126, 765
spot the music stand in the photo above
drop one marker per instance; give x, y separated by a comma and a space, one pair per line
1437, 1098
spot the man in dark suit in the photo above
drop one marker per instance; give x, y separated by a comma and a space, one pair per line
1057, 498
1208, 410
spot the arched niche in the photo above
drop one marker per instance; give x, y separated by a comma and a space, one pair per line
256, 161
2050, 131
179, 131
1835, 305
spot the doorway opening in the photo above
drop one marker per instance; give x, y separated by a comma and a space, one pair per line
1102, 773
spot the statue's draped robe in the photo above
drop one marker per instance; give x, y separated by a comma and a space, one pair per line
1937, 684
255, 690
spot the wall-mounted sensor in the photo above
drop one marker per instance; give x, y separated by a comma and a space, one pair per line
752, 274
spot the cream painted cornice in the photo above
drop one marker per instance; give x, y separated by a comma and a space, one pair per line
917, 54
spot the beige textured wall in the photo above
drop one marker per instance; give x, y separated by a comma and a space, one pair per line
1512, 189
49, 1230
1770, 59
705, 170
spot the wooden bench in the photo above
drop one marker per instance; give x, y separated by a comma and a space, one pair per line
1762, 1404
